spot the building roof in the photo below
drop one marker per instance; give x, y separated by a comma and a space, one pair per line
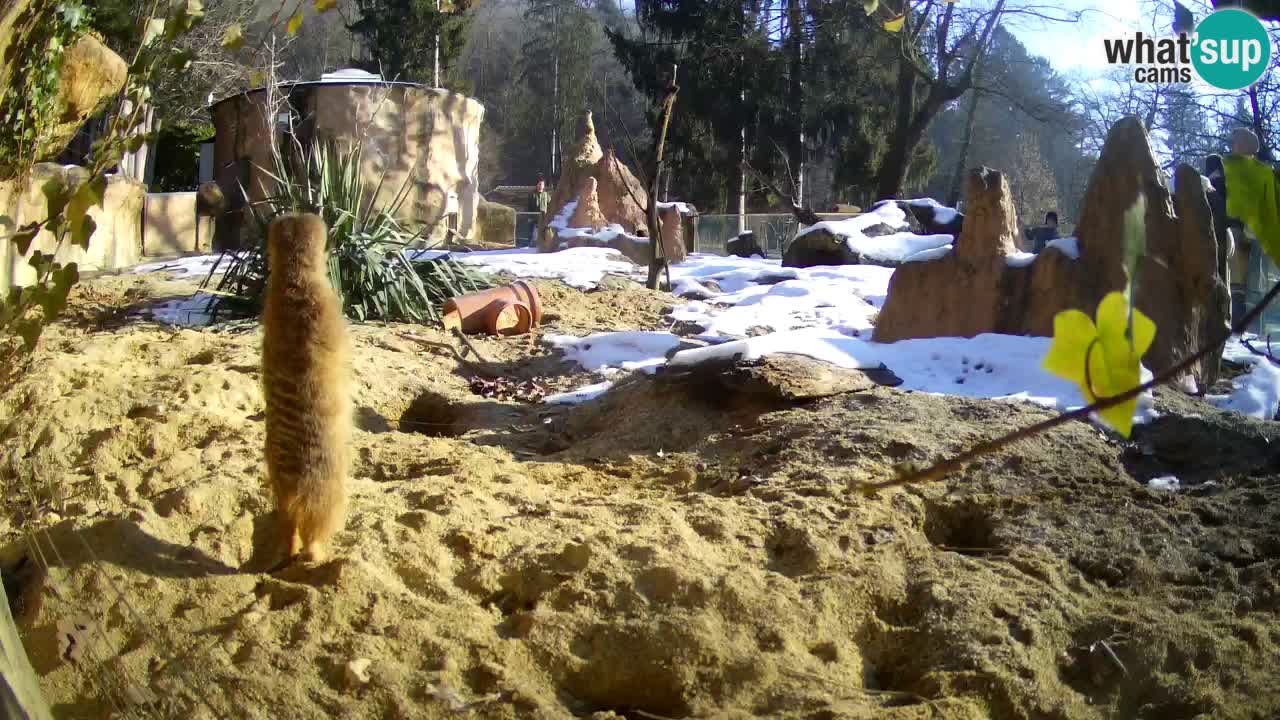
515, 196
341, 77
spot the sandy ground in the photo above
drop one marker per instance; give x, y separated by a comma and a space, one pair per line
666, 552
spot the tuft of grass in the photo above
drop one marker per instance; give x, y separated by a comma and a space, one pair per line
371, 253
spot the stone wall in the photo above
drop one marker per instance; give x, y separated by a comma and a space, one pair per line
429, 139
170, 225
115, 244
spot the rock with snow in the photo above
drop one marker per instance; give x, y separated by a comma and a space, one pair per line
883, 236
745, 246
987, 285
934, 218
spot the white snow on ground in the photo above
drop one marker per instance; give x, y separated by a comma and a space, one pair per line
582, 267
1000, 367
1256, 394
1020, 259
581, 395
682, 208
762, 294
608, 353
898, 247
1068, 245
193, 266
933, 253
941, 213
561, 220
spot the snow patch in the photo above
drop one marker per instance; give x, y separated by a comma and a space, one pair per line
942, 214
1168, 483
1256, 394
610, 352
1019, 259
580, 267
1068, 246
195, 265
581, 395
762, 295
990, 366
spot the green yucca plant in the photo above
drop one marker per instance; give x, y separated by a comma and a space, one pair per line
369, 248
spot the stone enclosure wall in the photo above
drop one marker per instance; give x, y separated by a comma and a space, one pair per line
427, 138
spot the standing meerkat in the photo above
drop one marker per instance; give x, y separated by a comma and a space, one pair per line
306, 382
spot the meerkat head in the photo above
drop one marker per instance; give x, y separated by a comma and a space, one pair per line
296, 244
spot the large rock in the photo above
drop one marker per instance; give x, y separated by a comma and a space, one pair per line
621, 196
578, 165
91, 73
671, 222
586, 214
982, 287
819, 247
495, 224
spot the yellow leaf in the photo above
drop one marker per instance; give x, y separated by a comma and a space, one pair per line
295, 23
257, 78
154, 29
1113, 350
233, 38
895, 24
870, 5
325, 5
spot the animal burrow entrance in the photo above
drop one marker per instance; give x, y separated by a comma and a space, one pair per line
963, 527
434, 415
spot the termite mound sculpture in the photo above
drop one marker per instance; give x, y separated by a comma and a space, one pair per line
307, 386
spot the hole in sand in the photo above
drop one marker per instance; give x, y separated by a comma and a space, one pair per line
963, 527
432, 414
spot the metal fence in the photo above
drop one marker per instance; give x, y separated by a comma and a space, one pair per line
772, 231
526, 228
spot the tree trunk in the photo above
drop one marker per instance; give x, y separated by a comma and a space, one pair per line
953, 193
795, 87
657, 262
893, 169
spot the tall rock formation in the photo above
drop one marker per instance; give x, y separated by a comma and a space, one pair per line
985, 286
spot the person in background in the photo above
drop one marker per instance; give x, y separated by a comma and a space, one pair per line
1039, 237
539, 201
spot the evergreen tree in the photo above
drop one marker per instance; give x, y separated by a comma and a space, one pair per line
406, 40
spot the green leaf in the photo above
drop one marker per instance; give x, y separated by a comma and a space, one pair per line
870, 5
55, 196
6, 221
24, 236
29, 330
181, 60
233, 37
295, 24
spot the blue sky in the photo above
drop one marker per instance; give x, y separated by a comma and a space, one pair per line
1078, 46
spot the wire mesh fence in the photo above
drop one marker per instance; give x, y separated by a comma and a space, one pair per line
772, 231
526, 228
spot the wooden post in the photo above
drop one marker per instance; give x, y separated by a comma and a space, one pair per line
20, 696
